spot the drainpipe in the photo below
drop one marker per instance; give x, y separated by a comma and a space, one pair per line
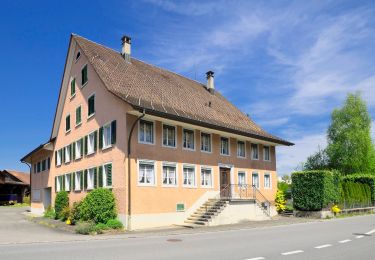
129, 168
29, 165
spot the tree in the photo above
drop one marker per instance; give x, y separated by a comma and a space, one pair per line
350, 148
317, 161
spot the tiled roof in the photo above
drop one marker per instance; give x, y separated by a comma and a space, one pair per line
158, 90
22, 176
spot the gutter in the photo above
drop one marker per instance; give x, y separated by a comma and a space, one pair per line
129, 168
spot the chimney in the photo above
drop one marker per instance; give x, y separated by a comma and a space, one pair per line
126, 47
210, 81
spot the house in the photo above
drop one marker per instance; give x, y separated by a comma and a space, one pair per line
172, 150
14, 186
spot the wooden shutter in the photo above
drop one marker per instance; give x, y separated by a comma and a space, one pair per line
49, 163
95, 140
55, 158
74, 150
85, 179
109, 174
101, 138
86, 137
81, 179
95, 178
82, 151
100, 176
113, 132
73, 87
63, 155
63, 182
73, 181
55, 183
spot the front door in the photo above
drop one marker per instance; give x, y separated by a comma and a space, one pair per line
225, 182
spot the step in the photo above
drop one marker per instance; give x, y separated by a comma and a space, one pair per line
202, 223
199, 219
208, 214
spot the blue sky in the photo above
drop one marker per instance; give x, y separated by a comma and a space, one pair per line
286, 64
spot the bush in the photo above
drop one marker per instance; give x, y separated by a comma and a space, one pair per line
61, 202
114, 224
368, 179
314, 190
98, 206
86, 228
280, 201
75, 213
65, 213
101, 226
49, 213
26, 199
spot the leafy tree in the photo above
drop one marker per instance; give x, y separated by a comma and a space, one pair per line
317, 161
350, 148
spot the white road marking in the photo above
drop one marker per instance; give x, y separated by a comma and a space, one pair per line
360, 236
323, 246
344, 241
370, 232
256, 258
292, 252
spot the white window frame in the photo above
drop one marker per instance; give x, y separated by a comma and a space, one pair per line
149, 162
251, 151
252, 179
169, 164
59, 157
67, 179
90, 178
175, 136
270, 181
238, 178
244, 142
109, 127
76, 146
153, 132
67, 151
77, 180
212, 177
104, 175
221, 147
269, 153
89, 145
183, 139
190, 166
210, 151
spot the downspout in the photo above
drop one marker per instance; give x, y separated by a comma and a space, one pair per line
29, 165
129, 168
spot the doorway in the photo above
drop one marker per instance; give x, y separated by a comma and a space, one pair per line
225, 188
47, 198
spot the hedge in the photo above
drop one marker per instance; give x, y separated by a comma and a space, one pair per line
368, 179
61, 202
354, 193
314, 190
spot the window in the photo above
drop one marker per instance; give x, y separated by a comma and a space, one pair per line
78, 180
91, 143
91, 105
107, 136
78, 149
189, 176
35, 168
241, 178
44, 165
48, 163
146, 132
146, 173
205, 142
78, 55
58, 183
188, 139
206, 177
169, 175
84, 75
58, 157
67, 123
267, 181
254, 152
224, 146
169, 136
255, 180
38, 167
67, 153
78, 115
241, 150
266, 153
67, 182
107, 175
90, 178
73, 87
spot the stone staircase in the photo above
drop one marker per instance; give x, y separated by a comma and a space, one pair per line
210, 209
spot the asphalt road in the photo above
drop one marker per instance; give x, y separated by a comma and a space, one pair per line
349, 238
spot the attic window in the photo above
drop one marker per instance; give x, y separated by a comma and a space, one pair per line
78, 55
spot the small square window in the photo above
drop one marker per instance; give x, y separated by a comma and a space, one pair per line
107, 175
146, 174
67, 123
107, 137
206, 177
78, 115
84, 75
241, 151
146, 132
205, 142
266, 153
188, 139
255, 180
254, 152
91, 105
169, 136
267, 181
44, 165
224, 146
189, 176
169, 175
241, 178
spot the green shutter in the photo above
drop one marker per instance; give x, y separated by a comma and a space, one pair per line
82, 152
74, 150
95, 140
85, 145
100, 176
109, 174
73, 87
113, 132
62, 155
81, 179
55, 158
73, 181
95, 178
63, 182
85, 180
101, 138
55, 183
78, 115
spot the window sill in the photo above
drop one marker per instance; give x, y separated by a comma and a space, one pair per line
241, 157
84, 84
254, 159
107, 147
88, 189
169, 186
206, 187
72, 96
90, 116
141, 142
188, 149
146, 185
79, 124
67, 132
79, 158
78, 190
209, 152
90, 153
189, 186
267, 160
223, 154
167, 146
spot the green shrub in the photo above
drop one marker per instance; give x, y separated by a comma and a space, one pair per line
101, 226
49, 213
86, 228
368, 179
314, 190
280, 201
61, 201
75, 213
114, 224
26, 200
65, 213
98, 206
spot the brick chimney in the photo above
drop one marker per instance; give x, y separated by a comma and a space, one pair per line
126, 47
